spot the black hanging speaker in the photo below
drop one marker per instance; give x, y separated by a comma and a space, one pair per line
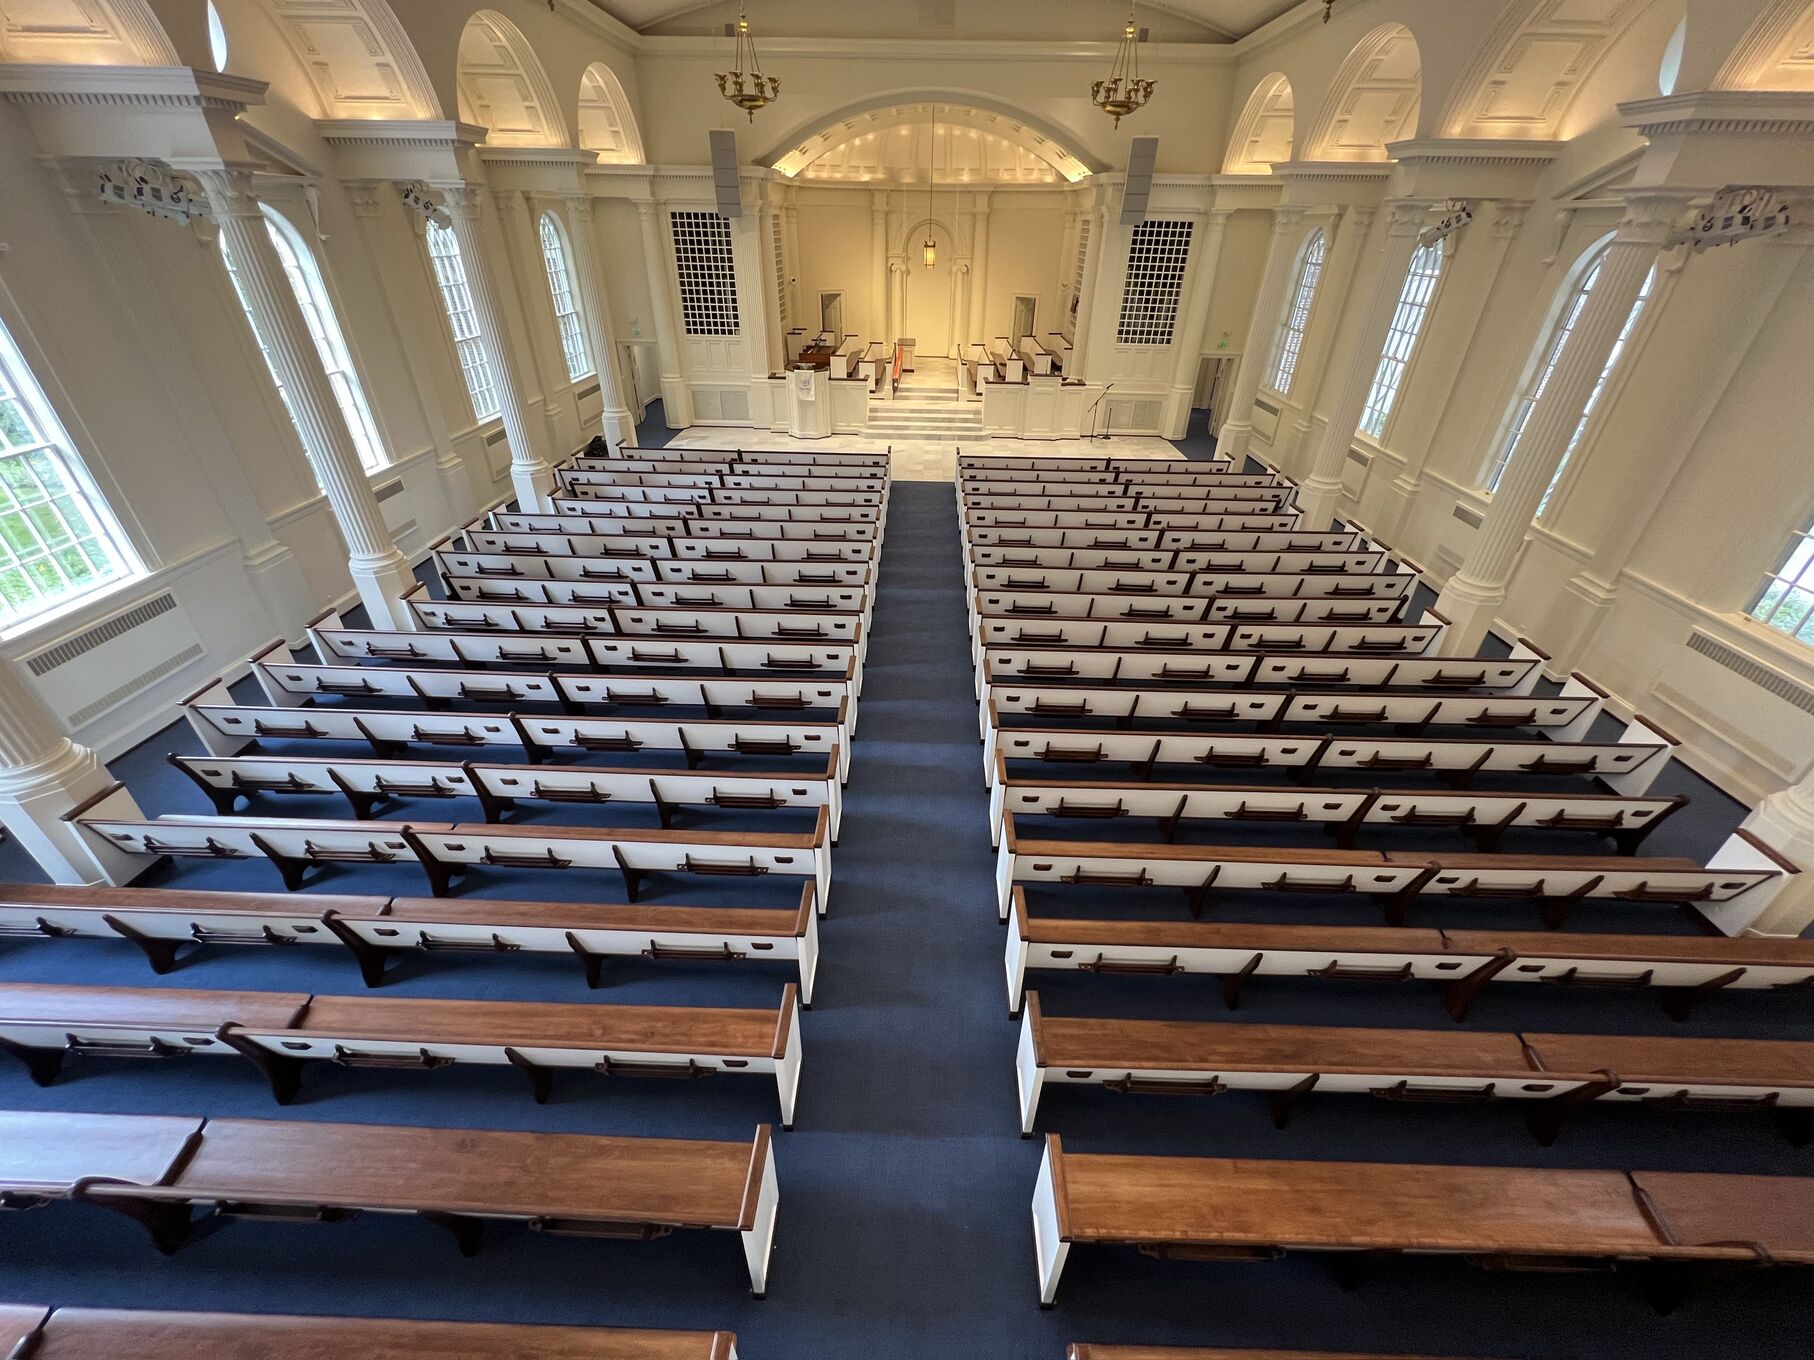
1142, 155
724, 173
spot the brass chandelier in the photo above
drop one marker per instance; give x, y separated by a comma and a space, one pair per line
744, 84
1124, 92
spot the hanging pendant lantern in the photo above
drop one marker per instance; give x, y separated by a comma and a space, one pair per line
1124, 92
744, 84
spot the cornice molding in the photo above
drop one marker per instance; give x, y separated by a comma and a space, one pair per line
993, 52
1473, 151
167, 86
438, 134
1748, 112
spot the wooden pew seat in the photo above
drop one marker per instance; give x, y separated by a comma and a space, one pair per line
156, 1169
43, 1025
162, 922
1552, 1075
1080, 1350
1682, 970
1502, 1217
89, 1333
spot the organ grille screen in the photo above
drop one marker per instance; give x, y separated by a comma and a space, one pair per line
708, 278
1156, 259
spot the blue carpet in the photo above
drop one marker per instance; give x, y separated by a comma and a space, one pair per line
904, 1228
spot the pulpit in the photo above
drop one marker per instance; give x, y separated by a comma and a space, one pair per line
808, 403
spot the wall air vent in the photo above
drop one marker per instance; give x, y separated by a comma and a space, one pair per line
1766, 678
144, 680
391, 488
105, 631
1468, 515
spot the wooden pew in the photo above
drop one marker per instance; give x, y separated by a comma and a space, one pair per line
602, 547
598, 503
1682, 970
1079, 558
1079, 1350
1195, 500
797, 458
667, 571
1627, 765
44, 1026
1183, 472
1513, 1218
1065, 635
157, 1169
606, 524
1554, 1076
463, 616
1213, 515
639, 596
162, 922
443, 850
1343, 813
87, 1333
499, 789
1389, 582
1139, 566
969, 463
1242, 609
1738, 882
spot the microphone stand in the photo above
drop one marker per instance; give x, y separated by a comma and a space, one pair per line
1091, 414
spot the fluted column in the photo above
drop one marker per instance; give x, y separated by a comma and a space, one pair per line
529, 469
1345, 241
1785, 821
43, 775
790, 252
595, 308
1475, 592
979, 280
1237, 430
676, 400
1195, 322
1447, 330
878, 264
380, 573
1322, 487
1086, 296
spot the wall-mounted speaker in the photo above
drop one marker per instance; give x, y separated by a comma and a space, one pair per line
724, 173
1142, 155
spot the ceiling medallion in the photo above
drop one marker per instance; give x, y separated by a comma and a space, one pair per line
1124, 92
744, 84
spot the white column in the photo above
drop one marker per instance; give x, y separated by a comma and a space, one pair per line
379, 571
774, 349
790, 250
1474, 593
529, 470
878, 265
1322, 487
1189, 340
1237, 430
1086, 301
979, 280
1067, 260
676, 399
595, 308
1345, 241
43, 775
269, 565
1785, 822
1457, 317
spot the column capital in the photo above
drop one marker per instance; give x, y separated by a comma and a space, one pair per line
362, 195
1406, 216
463, 200
1652, 216
579, 206
1285, 217
230, 192
1508, 216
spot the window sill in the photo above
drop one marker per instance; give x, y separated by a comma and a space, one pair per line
22, 635
1781, 650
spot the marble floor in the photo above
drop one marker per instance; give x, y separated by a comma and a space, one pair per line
926, 461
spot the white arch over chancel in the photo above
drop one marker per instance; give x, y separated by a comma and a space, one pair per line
978, 140
1266, 130
503, 86
84, 33
1373, 100
606, 124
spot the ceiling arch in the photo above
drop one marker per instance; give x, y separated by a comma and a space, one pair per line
606, 124
889, 140
84, 33
502, 86
357, 57
1532, 65
1776, 54
1373, 99
1263, 134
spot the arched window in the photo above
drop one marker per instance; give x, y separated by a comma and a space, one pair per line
1290, 341
1786, 602
300, 267
1593, 400
58, 540
1401, 339
561, 289
463, 320
1567, 317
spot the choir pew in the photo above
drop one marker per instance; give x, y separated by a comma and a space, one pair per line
1682, 970
1502, 1217
1343, 813
158, 1169
1737, 883
44, 1026
499, 789
1555, 1076
85, 1333
164, 922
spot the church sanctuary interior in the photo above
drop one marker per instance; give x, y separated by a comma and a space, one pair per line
626, 625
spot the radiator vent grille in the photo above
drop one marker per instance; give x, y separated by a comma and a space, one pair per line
1468, 515
389, 489
1266, 406
585, 392
1764, 677
496, 437
105, 631
166, 667
1360, 456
